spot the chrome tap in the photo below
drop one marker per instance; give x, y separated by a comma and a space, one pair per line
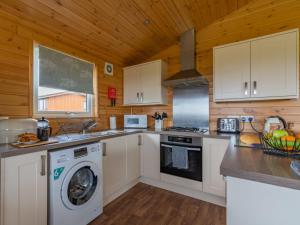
88, 125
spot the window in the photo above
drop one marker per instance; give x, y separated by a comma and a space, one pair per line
63, 85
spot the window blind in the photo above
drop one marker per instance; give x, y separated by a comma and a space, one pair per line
61, 71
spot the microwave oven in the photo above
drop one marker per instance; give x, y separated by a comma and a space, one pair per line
135, 121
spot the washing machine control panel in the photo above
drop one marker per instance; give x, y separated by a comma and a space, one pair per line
80, 152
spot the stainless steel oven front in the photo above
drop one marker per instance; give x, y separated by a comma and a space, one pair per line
181, 156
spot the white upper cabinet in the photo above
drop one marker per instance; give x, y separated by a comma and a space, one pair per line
143, 84
258, 69
232, 80
274, 66
131, 87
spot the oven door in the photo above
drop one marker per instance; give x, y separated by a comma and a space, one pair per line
181, 161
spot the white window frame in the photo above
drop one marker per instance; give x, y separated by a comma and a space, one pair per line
91, 99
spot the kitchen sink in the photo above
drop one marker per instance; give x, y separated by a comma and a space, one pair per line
78, 136
105, 133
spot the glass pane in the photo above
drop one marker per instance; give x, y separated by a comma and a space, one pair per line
55, 100
82, 186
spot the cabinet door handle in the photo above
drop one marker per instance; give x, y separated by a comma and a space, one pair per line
138, 97
104, 149
142, 97
140, 140
246, 88
43, 165
254, 87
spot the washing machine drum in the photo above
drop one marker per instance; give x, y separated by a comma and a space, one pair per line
80, 185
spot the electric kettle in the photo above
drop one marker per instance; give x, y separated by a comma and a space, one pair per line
44, 131
274, 123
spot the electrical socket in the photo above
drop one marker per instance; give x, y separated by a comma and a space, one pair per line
247, 119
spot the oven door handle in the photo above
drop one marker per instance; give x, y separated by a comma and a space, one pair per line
193, 149
167, 146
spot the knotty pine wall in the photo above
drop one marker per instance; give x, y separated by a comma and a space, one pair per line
261, 17
16, 41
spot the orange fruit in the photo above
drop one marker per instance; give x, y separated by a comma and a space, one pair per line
288, 138
298, 136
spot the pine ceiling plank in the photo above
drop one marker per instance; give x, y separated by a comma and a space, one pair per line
184, 13
78, 22
115, 29
129, 34
19, 17
118, 25
155, 11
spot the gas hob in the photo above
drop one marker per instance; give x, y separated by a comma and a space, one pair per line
187, 129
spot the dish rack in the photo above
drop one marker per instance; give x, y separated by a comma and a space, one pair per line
277, 146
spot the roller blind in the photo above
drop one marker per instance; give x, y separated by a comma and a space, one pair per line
61, 71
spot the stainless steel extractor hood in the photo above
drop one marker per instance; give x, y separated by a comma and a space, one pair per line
188, 76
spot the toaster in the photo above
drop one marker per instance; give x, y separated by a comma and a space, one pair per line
228, 125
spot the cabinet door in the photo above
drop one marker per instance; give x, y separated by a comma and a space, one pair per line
24, 189
213, 153
151, 156
151, 90
114, 165
133, 158
132, 85
274, 66
232, 72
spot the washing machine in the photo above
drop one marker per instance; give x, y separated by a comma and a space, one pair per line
75, 178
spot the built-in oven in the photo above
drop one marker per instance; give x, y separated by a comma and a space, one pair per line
181, 156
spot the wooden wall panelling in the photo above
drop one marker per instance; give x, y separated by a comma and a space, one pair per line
16, 40
260, 17
58, 30
117, 27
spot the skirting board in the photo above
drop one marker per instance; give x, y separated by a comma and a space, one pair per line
185, 191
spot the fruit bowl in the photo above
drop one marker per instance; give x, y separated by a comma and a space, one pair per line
286, 145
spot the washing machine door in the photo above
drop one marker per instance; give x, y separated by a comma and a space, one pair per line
79, 185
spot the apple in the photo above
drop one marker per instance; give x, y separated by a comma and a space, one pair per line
280, 133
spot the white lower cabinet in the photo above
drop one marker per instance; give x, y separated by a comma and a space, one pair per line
121, 164
150, 157
213, 153
114, 165
133, 158
24, 189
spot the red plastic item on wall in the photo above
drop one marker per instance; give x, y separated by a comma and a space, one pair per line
112, 93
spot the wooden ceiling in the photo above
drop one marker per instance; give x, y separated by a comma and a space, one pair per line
117, 30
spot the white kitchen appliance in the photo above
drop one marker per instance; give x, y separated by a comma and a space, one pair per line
75, 193
135, 121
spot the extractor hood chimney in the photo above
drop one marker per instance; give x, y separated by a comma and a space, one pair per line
188, 76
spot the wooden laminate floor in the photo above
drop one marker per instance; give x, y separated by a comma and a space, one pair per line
147, 205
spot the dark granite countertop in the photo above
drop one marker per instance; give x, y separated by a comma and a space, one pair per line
241, 162
68, 140
253, 164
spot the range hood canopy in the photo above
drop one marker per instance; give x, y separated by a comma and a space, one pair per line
188, 76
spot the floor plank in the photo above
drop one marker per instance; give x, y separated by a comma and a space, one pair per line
147, 205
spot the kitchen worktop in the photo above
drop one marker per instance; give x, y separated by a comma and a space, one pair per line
253, 164
67, 140
240, 162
